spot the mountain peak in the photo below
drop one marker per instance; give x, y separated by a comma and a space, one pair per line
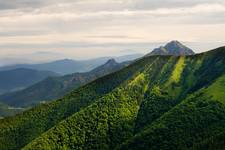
174, 43
111, 64
111, 61
172, 48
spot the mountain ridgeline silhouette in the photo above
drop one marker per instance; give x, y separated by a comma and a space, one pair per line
156, 102
21, 78
55, 87
69, 66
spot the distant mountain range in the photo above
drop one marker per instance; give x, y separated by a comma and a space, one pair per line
68, 66
172, 48
55, 87
17, 79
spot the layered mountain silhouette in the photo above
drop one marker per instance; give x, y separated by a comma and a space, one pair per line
157, 102
65, 66
17, 79
172, 48
55, 87
69, 66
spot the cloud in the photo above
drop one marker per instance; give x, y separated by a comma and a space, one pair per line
113, 25
155, 4
100, 4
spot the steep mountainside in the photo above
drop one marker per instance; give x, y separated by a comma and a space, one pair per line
158, 102
21, 78
172, 48
55, 87
196, 118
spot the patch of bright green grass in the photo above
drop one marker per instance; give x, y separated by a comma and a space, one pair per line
177, 72
140, 78
175, 78
217, 90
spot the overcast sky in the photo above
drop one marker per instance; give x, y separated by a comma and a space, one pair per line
82, 29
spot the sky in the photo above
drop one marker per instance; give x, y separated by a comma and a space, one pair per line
44, 30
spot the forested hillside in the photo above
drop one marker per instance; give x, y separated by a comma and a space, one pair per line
158, 102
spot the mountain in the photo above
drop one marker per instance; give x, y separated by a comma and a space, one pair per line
157, 102
55, 87
17, 79
172, 48
69, 66
65, 66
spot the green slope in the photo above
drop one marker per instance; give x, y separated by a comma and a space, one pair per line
113, 114
18, 131
156, 103
196, 118
119, 123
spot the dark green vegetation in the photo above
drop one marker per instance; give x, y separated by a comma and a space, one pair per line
56, 87
172, 48
21, 78
158, 102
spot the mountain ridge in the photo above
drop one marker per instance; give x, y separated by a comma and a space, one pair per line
56, 87
69, 66
155, 96
114, 103
20, 78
